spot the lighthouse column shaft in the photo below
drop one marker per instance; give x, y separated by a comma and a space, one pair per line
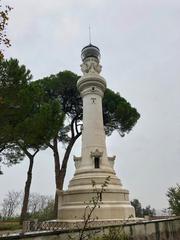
92, 87
93, 135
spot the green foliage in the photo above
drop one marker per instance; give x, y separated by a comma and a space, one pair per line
41, 117
173, 195
137, 206
9, 225
118, 113
13, 77
141, 212
62, 87
29, 118
12, 154
148, 211
44, 214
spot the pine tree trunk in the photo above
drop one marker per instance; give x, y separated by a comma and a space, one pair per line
64, 163
57, 173
61, 172
27, 190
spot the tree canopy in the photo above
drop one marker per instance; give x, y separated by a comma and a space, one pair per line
13, 78
138, 208
173, 195
29, 118
140, 211
118, 114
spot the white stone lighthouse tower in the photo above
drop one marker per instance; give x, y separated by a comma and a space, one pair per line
94, 164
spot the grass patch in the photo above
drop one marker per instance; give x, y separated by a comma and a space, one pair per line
9, 225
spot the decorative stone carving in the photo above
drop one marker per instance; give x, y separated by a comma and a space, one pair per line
91, 65
77, 161
111, 161
93, 100
96, 153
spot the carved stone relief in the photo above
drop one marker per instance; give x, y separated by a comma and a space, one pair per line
91, 65
77, 161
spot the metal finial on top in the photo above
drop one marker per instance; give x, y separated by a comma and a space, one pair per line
90, 50
89, 34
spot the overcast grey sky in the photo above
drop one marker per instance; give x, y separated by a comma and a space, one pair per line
140, 47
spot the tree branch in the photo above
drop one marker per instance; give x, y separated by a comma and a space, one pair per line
50, 145
27, 152
37, 150
76, 126
2, 148
72, 127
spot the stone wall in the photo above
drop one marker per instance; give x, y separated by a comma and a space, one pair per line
168, 229
155, 230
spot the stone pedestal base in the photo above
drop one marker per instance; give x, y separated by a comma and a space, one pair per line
115, 205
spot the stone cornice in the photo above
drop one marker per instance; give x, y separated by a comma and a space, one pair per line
91, 83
